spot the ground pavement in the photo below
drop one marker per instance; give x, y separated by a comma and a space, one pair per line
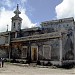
11, 69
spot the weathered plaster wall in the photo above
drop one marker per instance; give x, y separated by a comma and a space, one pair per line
2, 40
54, 44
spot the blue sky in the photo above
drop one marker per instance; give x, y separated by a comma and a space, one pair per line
33, 12
41, 10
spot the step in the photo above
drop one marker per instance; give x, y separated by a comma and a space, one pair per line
33, 64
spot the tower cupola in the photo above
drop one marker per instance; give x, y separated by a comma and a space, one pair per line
16, 20
17, 12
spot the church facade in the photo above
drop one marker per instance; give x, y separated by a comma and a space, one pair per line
54, 41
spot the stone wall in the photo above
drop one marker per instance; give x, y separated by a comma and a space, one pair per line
68, 45
3, 53
2, 40
54, 52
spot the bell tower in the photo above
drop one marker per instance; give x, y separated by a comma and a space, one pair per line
16, 20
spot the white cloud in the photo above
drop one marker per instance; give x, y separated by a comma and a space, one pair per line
23, 1
26, 23
74, 9
65, 9
6, 15
5, 18
6, 2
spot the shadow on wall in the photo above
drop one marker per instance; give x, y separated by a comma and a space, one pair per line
69, 55
16, 53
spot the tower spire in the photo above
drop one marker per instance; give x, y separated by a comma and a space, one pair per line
17, 12
17, 7
16, 20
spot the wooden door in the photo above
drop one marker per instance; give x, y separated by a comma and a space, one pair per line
34, 53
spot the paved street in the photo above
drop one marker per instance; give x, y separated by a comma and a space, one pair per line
10, 69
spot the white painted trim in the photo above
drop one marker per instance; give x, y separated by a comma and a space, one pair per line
37, 51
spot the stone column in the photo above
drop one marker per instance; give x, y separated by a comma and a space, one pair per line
9, 47
74, 44
9, 52
15, 34
73, 28
60, 41
29, 52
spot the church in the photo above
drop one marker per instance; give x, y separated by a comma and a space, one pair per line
53, 41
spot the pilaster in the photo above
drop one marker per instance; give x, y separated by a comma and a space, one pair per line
60, 41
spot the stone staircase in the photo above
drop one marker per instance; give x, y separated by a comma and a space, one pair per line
33, 64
